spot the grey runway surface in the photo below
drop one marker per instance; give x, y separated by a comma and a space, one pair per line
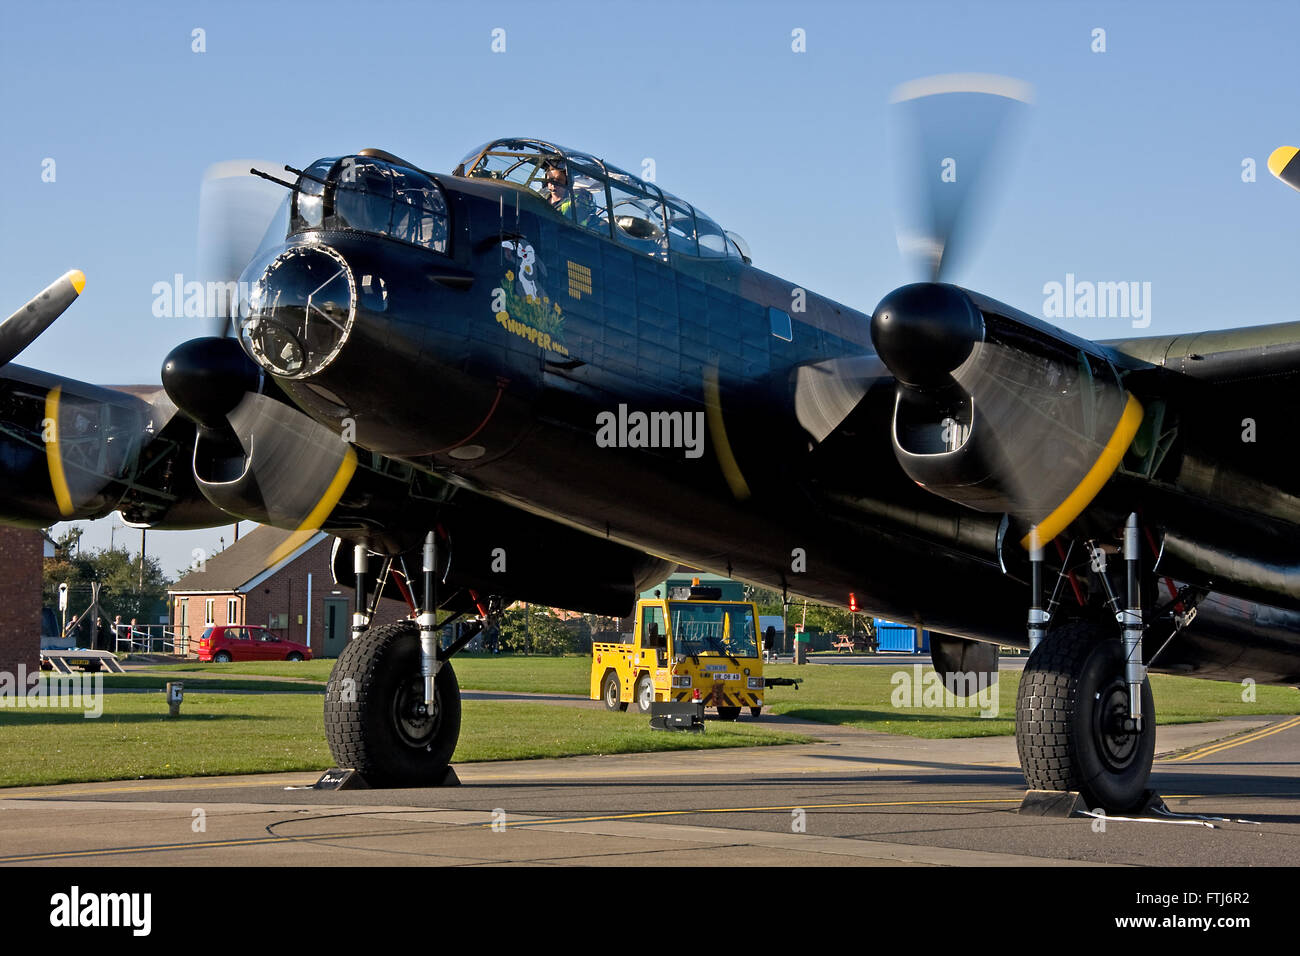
855, 798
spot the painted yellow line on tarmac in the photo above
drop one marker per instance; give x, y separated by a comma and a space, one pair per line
800, 806
49, 791
213, 844
1251, 737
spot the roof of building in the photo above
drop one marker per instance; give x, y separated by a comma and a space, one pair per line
245, 563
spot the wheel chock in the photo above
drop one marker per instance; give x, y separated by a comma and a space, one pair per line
1052, 803
1152, 802
338, 779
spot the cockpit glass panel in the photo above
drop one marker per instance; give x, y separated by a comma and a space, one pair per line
602, 197
638, 219
713, 242
589, 206
363, 197
419, 211
681, 227
309, 210
366, 194
521, 163
469, 158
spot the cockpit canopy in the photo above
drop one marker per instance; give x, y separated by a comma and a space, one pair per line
603, 198
372, 195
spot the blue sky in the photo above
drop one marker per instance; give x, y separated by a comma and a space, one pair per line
1127, 168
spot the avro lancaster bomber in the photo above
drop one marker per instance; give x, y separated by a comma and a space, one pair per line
425, 364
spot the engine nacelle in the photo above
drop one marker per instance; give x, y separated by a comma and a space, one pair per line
997, 410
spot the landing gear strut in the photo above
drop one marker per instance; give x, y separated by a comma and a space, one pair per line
377, 721
392, 706
1085, 717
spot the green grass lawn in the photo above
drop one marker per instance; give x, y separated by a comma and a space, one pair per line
264, 733
283, 729
862, 696
853, 695
541, 675
195, 684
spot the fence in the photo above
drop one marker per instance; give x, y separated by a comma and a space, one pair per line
150, 639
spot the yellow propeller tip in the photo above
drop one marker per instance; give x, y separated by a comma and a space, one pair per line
1280, 158
78, 280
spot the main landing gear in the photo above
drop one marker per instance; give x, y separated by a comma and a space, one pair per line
1085, 717
392, 706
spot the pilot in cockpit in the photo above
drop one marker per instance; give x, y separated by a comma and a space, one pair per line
577, 206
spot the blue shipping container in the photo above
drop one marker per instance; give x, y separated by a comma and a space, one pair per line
900, 637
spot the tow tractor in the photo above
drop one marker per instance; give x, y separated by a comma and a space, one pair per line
691, 646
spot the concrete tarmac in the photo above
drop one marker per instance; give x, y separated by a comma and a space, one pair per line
855, 798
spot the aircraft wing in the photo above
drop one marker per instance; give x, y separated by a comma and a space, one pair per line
1230, 355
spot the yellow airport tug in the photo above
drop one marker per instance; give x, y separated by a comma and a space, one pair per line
690, 647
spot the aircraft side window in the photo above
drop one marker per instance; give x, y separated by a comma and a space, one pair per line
781, 325
419, 213
639, 220
681, 228
713, 242
589, 203
363, 198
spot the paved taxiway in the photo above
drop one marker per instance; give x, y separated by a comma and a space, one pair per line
856, 798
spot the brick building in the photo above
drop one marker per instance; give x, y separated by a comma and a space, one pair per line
294, 596
22, 553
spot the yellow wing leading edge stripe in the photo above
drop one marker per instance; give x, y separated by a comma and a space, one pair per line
1092, 482
53, 452
338, 484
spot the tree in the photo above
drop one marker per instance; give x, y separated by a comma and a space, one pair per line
528, 629
116, 571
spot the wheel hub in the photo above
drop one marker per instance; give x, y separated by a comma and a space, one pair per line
1115, 732
416, 722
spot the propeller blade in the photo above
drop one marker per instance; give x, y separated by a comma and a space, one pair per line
236, 208
1285, 166
827, 392
955, 124
300, 467
22, 328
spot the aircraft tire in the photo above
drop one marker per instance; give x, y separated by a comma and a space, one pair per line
1071, 691
373, 704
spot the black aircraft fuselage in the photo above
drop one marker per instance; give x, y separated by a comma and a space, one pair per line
492, 361
437, 371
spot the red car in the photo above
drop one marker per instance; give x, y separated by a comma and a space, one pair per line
240, 642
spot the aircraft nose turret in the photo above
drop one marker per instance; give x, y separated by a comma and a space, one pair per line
924, 331
301, 312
